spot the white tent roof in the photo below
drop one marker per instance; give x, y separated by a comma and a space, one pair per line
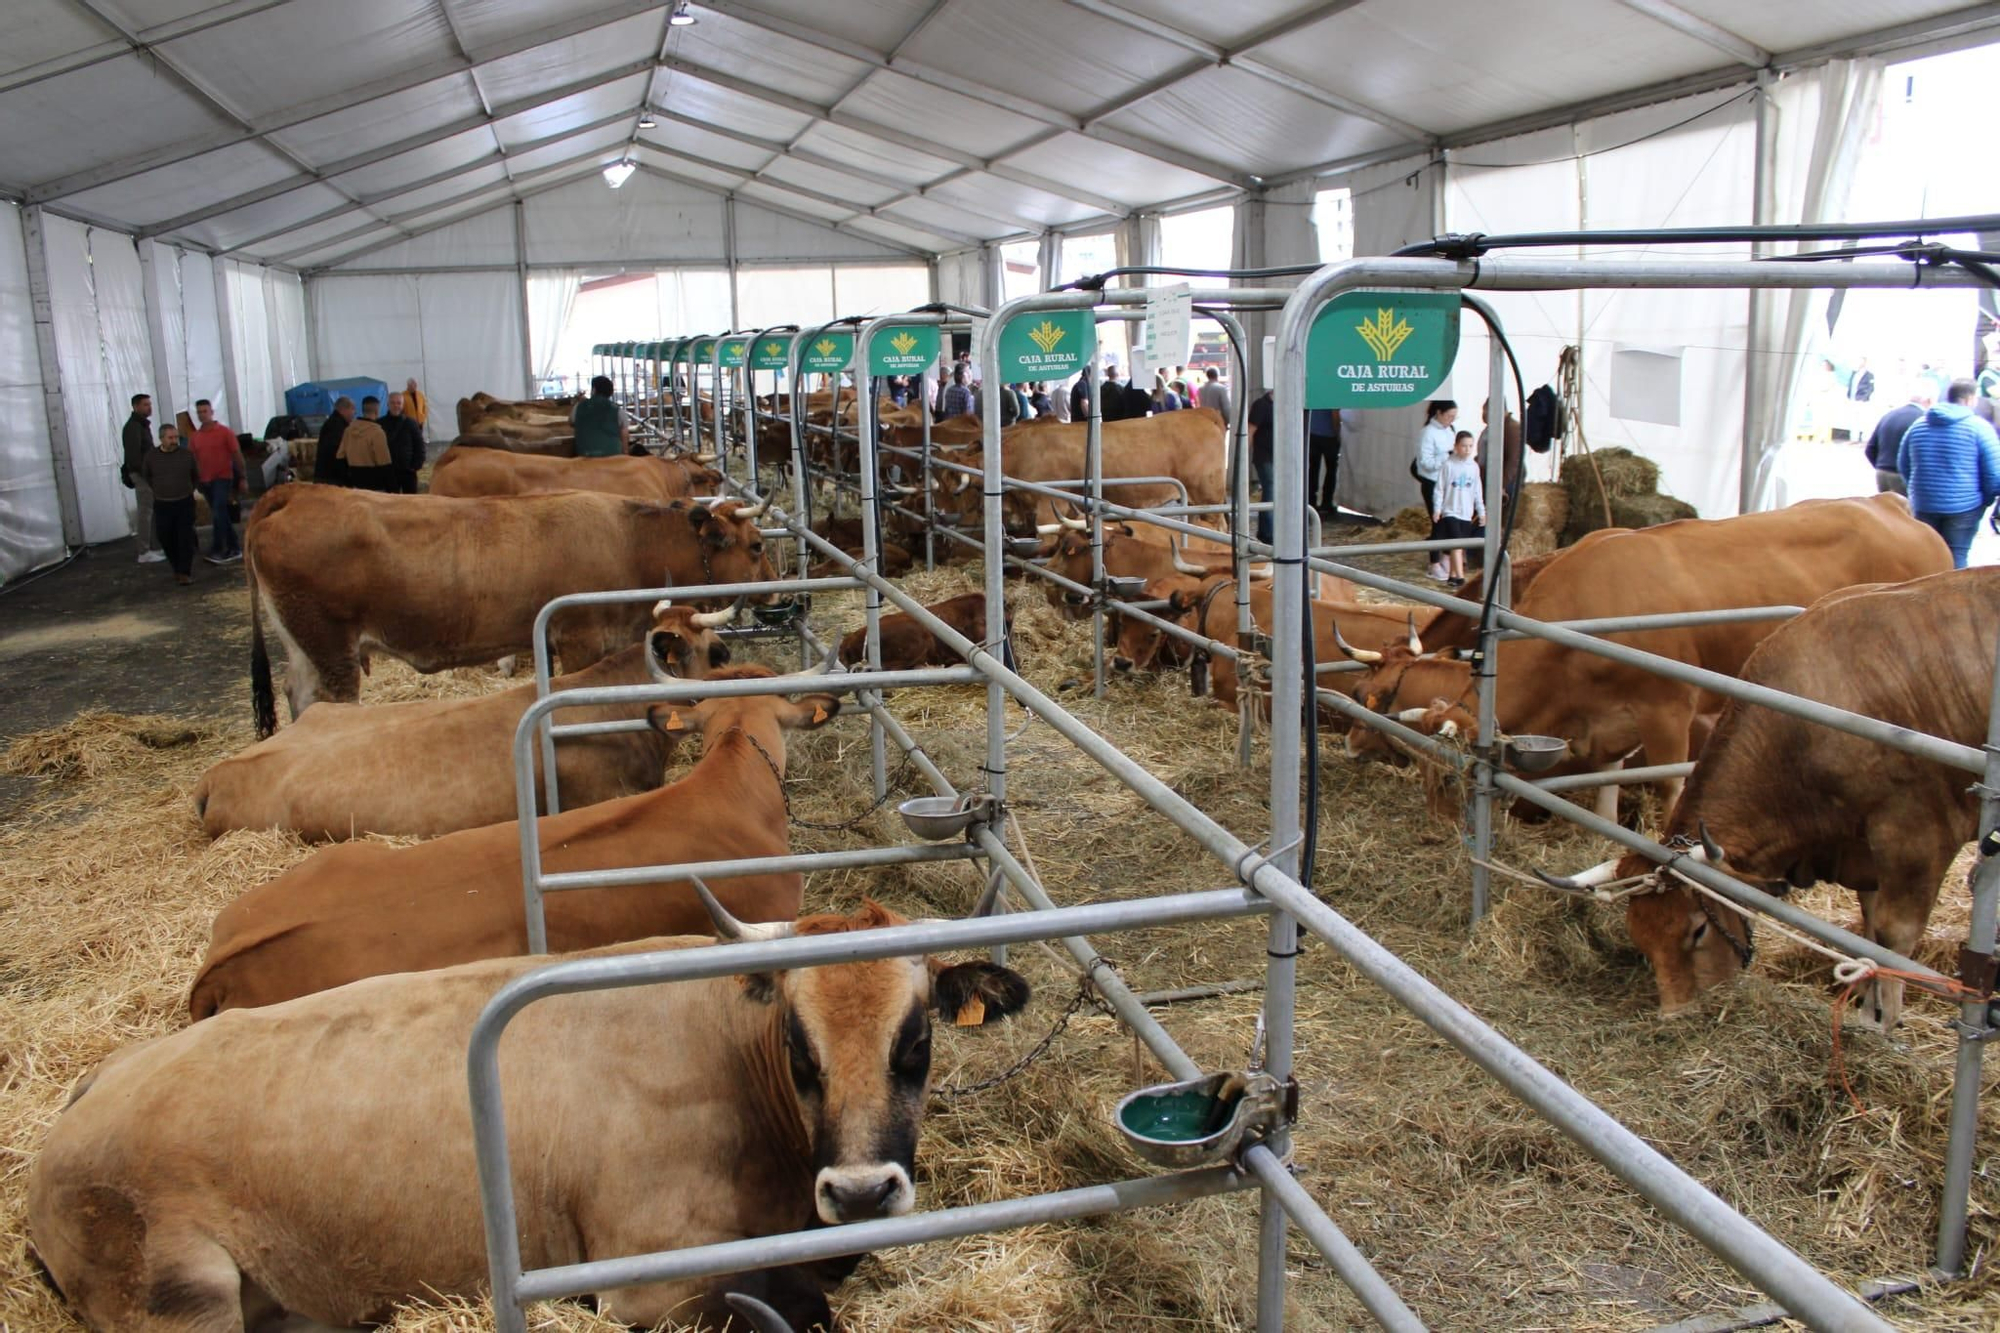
307, 134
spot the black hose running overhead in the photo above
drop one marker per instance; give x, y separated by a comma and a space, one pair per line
1094, 282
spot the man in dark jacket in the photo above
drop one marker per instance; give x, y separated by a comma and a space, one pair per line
1079, 397
327, 466
1262, 451
406, 444
1886, 440
138, 442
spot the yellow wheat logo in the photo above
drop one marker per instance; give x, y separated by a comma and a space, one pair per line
736, 349
1047, 335
903, 342
772, 349
1384, 334
825, 346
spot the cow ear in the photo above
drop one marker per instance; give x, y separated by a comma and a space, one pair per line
698, 516
672, 718
811, 711
974, 994
1177, 602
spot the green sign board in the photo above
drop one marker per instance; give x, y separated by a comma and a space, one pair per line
704, 351
828, 353
1047, 344
903, 349
771, 352
1381, 349
733, 350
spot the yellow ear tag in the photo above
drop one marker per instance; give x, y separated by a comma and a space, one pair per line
819, 713
972, 1013
674, 722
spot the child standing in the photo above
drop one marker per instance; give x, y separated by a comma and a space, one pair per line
170, 471
1459, 512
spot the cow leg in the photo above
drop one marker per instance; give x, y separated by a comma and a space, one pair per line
1894, 916
1607, 796
188, 1285
321, 665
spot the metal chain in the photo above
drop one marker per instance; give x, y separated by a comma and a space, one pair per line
888, 790
1036, 1052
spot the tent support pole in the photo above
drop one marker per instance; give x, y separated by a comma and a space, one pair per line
521, 288
51, 365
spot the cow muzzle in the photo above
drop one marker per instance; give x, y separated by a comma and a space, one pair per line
858, 1193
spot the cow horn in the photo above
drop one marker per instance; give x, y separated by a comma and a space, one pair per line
1258, 573
660, 607
1711, 849
1073, 524
704, 459
1409, 715
1183, 565
1602, 873
1048, 529
757, 511
761, 1317
1416, 643
713, 619
728, 927
1356, 654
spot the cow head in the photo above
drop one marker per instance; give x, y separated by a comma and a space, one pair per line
682, 642
856, 1042
1143, 646
731, 545
1692, 942
765, 718
1408, 683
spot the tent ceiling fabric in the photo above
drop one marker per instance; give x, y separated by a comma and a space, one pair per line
305, 133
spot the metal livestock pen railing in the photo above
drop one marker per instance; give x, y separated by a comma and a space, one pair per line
1270, 879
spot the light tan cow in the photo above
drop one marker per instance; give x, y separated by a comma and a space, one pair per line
315, 1159
432, 766
473, 472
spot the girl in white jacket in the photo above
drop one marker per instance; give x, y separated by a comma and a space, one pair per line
1433, 448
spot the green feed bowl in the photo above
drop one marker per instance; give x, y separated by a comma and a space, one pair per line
1182, 1125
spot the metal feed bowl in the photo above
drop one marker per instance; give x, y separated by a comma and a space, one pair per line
1125, 586
1024, 546
1535, 754
936, 818
1201, 1121
778, 615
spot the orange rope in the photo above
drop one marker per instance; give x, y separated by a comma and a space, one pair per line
1945, 988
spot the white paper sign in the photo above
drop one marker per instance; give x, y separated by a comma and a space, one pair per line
1168, 330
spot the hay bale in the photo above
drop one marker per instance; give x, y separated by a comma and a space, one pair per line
1539, 523
1630, 481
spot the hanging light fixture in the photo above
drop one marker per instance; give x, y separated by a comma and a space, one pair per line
646, 121
682, 15
618, 173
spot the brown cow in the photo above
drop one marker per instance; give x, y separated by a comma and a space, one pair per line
1186, 445
1140, 550
553, 446
907, 645
1208, 606
434, 766
315, 1159
446, 583
359, 909
1607, 710
1780, 800
474, 472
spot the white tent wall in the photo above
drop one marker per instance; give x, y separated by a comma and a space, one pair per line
455, 333
1394, 205
285, 302
104, 355
254, 393
30, 508
187, 347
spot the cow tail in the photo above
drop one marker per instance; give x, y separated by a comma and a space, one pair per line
263, 698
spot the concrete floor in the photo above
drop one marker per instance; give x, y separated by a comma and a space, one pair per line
107, 632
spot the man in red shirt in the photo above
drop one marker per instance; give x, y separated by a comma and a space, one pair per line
219, 467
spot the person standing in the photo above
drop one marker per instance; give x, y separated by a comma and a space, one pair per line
1885, 442
406, 443
1323, 457
138, 440
1433, 447
1079, 396
328, 466
1111, 396
219, 469
417, 408
1261, 447
169, 474
1215, 394
956, 400
600, 428
1951, 460
364, 449
1459, 513
1040, 402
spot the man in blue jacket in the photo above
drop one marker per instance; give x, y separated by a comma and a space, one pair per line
1951, 460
